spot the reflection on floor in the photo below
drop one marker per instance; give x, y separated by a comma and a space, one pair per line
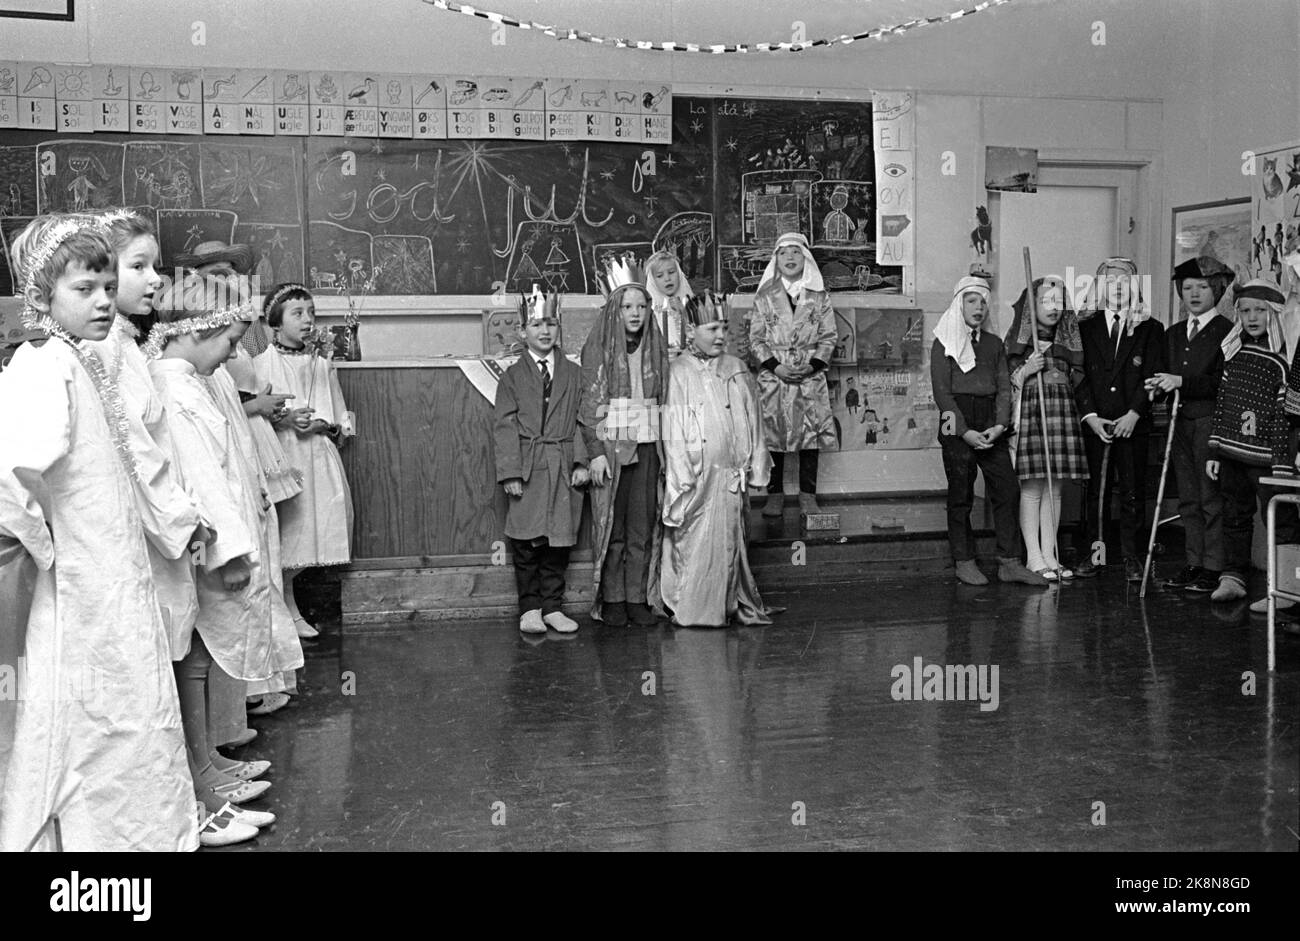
471, 737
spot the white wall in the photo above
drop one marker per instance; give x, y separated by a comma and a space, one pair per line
1188, 84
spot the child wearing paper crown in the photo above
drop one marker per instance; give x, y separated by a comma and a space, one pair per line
624, 377
1250, 438
1194, 360
541, 462
714, 452
96, 728
792, 334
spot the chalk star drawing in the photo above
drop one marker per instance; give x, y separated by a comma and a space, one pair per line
731, 143
751, 109
697, 125
651, 201
669, 162
381, 175
195, 233
341, 257
701, 176
379, 147
462, 245
567, 149
607, 174
242, 175
278, 241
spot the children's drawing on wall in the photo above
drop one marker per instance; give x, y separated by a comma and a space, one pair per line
981, 243
549, 254
841, 212
689, 236
1274, 250
1011, 169
888, 339
846, 336
1221, 231
883, 409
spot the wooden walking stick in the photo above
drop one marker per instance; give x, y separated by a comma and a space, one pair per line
1101, 493
1032, 301
1160, 493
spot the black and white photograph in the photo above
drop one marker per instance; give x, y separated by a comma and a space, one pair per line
651, 426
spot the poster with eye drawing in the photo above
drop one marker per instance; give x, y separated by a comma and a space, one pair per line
884, 401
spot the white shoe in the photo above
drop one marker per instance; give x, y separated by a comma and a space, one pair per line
1261, 606
531, 622
252, 818
559, 621
249, 770
215, 830
269, 704
305, 630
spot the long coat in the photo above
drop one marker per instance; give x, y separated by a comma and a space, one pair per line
796, 416
541, 450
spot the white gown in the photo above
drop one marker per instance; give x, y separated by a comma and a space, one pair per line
168, 512
316, 525
97, 730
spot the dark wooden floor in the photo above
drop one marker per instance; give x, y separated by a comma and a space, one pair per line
1102, 699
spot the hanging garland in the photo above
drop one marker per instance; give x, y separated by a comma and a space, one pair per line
879, 32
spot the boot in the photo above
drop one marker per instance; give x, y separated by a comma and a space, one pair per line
968, 572
808, 503
775, 503
1012, 570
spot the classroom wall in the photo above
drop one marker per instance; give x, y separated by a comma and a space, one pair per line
1188, 84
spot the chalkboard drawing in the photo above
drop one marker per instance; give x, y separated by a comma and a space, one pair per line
836, 224
403, 265
293, 88
13, 202
111, 88
744, 265
463, 91
689, 236
40, 77
563, 247
528, 95
323, 280
561, 95
776, 201
184, 82
80, 187
556, 255
260, 181
148, 87
527, 272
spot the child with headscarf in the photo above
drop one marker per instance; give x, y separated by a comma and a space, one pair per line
669, 292
1194, 358
972, 389
1045, 342
792, 334
624, 376
1250, 438
1123, 346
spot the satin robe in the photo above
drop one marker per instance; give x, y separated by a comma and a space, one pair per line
713, 452
97, 730
796, 416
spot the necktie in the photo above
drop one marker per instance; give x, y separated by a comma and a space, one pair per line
1114, 322
546, 383
1193, 330
975, 339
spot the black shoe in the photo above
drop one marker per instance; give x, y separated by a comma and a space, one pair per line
1186, 577
1132, 570
1086, 569
1205, 583
640, 614
614, 613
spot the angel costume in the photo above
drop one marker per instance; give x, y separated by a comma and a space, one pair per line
97, 733
316, 525
714, 452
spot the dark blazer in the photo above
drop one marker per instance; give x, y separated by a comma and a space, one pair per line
1200, 363
1113, 377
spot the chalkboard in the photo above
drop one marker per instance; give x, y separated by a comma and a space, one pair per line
480, 216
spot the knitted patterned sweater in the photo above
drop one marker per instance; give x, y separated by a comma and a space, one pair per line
1250, 422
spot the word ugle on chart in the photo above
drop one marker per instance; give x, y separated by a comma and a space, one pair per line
952, 683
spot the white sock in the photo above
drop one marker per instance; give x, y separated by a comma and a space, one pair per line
1050, 513
1031, 498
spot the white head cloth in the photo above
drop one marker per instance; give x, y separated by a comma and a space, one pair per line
951, 330
810, 280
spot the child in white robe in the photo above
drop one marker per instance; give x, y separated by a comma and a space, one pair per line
669, 291
97, 731
193, 337
316, 525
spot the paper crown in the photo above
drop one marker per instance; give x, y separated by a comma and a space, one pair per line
706, 308
620, 270
539, 306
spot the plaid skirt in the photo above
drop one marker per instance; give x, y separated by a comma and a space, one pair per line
1065, 435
